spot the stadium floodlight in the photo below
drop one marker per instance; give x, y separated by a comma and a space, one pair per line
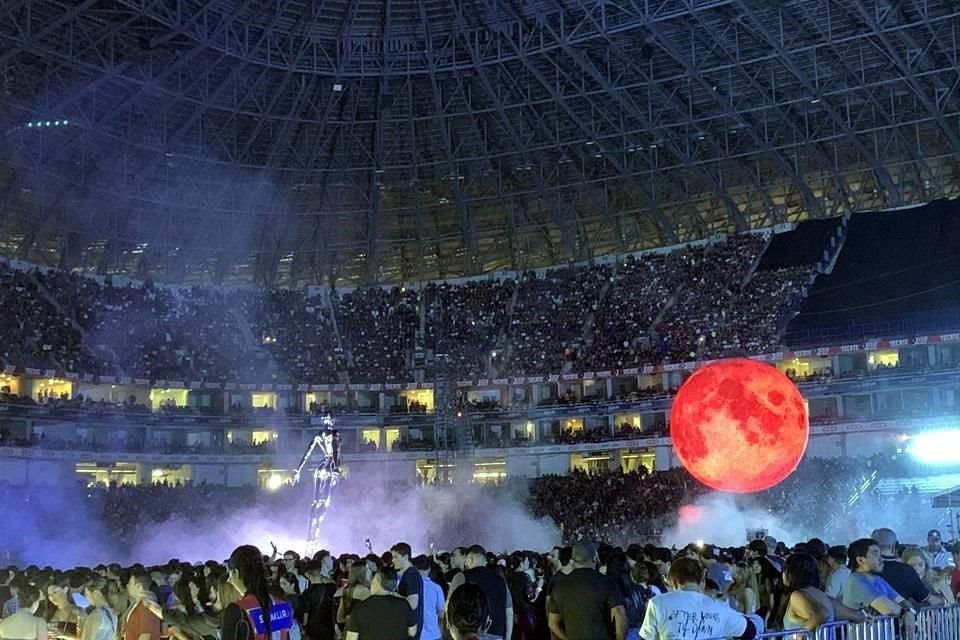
274, 482
936, 447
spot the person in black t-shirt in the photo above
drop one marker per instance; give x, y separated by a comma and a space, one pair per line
457, 558
494, 588
583, 602
316, 604
385, 615
411, 583
900, 576
561, 563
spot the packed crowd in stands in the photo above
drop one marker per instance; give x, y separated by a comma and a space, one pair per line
34, 333
466, 322
546, 328
727, 310
610, 578
378, 327
695, 301
640, 290
297, 331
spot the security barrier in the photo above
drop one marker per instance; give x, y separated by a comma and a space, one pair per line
880, 628
930, 623
938, 623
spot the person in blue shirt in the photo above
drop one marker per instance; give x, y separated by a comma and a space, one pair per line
865, 588
433, 600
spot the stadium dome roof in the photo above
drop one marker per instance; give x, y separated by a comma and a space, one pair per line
290, 142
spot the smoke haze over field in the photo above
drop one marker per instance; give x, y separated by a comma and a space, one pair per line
723, 519
717, 519
444, 516
62, 527
53, 526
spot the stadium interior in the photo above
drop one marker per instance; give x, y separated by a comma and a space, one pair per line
490, 241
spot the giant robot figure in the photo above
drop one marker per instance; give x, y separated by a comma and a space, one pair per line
325, 478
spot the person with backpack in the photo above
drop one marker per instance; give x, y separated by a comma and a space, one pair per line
256, 615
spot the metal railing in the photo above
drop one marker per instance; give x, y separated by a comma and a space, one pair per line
938, 623
929, 623
882, 628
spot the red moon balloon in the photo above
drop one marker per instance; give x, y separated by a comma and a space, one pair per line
739, 425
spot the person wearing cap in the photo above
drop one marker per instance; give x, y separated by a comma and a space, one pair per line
686, 613
937, 556
584, 602
718, 567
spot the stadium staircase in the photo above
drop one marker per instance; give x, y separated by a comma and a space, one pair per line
756, 263
590, 323
865, 485
832, 252
257, 347
504, 343
328, 302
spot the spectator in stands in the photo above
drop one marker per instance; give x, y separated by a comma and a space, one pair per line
687, 614
385, 615
898, 575
937, 556
588, 317
583, 602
